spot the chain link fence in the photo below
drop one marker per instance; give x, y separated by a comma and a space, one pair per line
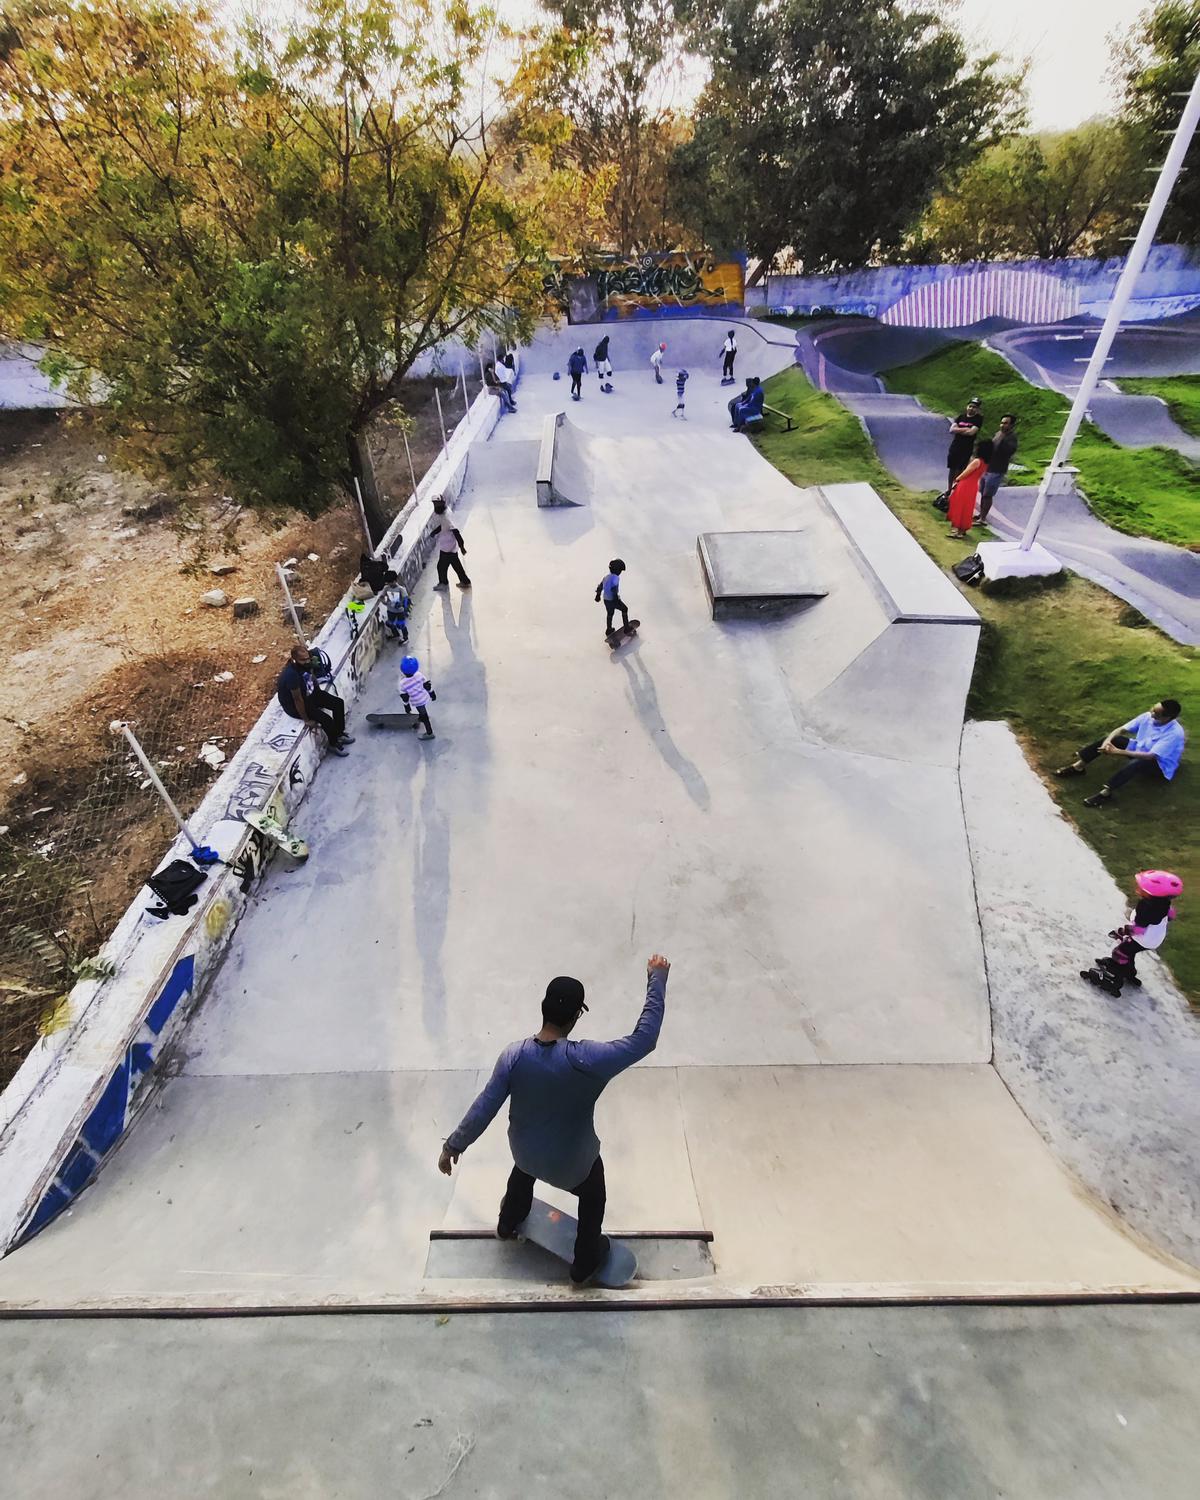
83, 827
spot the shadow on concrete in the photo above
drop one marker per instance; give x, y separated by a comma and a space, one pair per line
645, 701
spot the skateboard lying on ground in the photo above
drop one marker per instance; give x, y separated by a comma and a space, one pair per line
554, 1230
393, 721
271, 828
620, 633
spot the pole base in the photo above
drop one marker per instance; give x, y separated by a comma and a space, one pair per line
1008, 560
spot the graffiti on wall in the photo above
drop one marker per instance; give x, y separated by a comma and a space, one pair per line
672, 284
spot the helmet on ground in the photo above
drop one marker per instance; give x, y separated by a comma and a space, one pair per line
409, 665
558, 375
616, 565
1158, 883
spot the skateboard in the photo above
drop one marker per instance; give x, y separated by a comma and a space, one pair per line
271, 828
554, 1230
393, 721
620, 633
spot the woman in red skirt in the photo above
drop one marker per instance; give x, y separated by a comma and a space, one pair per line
961, 510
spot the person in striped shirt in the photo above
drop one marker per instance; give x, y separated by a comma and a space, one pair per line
681, 380
415, 692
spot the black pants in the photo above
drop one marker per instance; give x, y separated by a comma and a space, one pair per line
448, 560
610, 608
732, 409
518, 1200
328, 710
576, 382
727, 365
1123, 962
1128, 771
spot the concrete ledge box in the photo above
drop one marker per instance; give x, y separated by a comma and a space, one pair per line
757, 572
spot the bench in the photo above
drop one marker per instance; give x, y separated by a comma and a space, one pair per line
756, 424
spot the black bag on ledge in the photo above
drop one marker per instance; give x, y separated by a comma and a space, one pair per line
175, 885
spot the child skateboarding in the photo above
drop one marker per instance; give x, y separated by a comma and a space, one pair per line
552, 1085
1145, 931
576, 369
415, 692
602, 366
656, 360
681, 380
609, 590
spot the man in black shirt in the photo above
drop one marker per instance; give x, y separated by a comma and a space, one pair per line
300, 698
1004, 445
963, 432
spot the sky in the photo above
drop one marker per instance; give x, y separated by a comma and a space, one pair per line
1068, 42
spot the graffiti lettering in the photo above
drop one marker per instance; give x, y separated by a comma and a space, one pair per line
256, 782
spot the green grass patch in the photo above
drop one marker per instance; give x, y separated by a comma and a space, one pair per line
1151, 492
1180, 392
1061, 665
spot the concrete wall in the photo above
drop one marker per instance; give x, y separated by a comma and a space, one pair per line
1169, 285
78, 1090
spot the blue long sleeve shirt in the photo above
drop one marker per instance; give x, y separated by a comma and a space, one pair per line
552, 1088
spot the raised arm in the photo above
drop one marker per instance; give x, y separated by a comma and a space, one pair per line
607, 1059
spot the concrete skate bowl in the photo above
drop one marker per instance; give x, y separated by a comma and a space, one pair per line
846, 356
692, 343
565, 468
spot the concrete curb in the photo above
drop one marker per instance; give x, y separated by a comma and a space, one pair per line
78, 1091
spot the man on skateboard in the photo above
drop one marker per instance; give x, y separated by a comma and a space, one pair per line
552, 1085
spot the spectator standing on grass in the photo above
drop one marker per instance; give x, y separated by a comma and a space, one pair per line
964, 432
300, 698
961, 509
1004, 446
1150, 744
449, 545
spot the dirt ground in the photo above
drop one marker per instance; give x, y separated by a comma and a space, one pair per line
101, 578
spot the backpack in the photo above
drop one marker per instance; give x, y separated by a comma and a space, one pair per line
970, 570
175, 885
375, 572
943, 501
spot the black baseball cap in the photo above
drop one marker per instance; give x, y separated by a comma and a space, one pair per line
564, 1001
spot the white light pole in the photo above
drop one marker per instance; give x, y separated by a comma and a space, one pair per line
1134, 262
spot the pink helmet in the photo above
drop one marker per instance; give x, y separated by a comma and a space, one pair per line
1158, 883
662, 346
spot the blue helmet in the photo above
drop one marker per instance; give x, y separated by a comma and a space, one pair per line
409, 665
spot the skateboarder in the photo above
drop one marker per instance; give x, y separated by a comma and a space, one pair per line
728, 355
602, 365
449, 545
1145, 930
609, 589
681, 379
656, 360
552, 1085
576, 369
300, 698
415, 692
395, 605
1150, 743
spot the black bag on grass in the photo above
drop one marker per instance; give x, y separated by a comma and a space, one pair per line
970, 570
942, 502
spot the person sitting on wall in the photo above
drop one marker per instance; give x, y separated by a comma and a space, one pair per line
300, 698
497, 387
1150, 744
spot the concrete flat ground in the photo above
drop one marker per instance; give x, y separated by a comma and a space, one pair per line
967, 1403
775, 804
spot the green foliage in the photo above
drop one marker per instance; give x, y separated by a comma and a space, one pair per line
1047, 196
1180, 392
827, 127
1159, 63
250, 243
1061, 665
1145, 491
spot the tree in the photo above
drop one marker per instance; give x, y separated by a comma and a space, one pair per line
250, 243
1159, 62
619, 90
827, 127
1048, 196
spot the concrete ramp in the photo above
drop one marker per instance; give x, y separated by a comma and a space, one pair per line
757, 572
564, 471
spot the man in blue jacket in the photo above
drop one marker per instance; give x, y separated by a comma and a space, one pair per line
552, 1085
748, 407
